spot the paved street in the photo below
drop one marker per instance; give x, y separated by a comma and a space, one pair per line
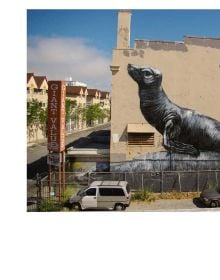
37, 153
170, 205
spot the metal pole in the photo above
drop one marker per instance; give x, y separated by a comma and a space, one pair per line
63, 172
59, 181
49, 178
39, 189
142, 182
216, 177
179, 182
161, 181
197, 181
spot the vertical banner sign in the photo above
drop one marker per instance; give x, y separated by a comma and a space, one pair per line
56, 116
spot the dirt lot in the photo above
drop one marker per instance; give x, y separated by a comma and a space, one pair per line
169, 205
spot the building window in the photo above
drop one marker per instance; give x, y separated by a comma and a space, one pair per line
143, 139
111, 192
29, 90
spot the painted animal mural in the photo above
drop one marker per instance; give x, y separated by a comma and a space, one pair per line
184, 130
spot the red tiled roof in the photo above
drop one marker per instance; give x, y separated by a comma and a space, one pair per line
104, 94
29, 75
74, 89
92, 92
39, 80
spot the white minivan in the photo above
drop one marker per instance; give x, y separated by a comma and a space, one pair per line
112, 195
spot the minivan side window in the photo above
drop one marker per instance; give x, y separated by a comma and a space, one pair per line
118, 192
91, 192
111, 192
105, 192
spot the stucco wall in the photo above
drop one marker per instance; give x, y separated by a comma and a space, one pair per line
191, 78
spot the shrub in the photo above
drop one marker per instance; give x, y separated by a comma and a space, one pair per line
50, 205
144, 196
178, 195
69, 191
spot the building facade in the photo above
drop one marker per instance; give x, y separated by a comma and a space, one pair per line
78, 94
85, 97
37, 89
191, 79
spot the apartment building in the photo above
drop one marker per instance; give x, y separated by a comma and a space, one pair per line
191, 79
78, 94
93, 97
85, 97
105, 102
37, 88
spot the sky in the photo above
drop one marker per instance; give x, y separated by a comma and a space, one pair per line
79, 43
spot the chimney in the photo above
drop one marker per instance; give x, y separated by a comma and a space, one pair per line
123, 34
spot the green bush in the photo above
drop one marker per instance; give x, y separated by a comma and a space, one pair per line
50, 205
69, 191
144, 196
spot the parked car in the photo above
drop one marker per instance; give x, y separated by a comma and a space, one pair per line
210, 197
112, 195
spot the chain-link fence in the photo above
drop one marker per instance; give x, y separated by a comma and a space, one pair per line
164, 181
52, 196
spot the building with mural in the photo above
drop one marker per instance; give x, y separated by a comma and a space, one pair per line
191, 79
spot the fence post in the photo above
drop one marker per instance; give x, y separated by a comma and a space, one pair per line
142, 182
89, 178
179, 182
39, 190
216, 177
197, 181
161, 189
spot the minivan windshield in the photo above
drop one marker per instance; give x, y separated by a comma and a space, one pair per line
81, 191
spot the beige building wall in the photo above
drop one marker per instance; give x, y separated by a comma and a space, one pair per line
106, 104
93, 97
38, 92
31, 84
78, 94
191, 78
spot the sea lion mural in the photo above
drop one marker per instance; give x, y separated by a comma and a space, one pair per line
184, 130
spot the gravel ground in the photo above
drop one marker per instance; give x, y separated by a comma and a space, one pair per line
169, 205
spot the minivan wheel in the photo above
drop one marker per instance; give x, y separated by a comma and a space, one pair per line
119, 207
77, 206
214, 204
